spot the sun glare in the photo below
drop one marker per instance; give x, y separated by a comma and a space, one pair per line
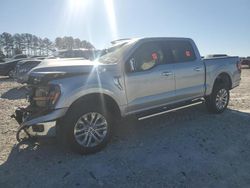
75, 6
81, 13
111, 17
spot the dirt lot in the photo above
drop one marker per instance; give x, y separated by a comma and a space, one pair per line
188, 148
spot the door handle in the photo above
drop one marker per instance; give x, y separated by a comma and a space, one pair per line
166, 73
198, 69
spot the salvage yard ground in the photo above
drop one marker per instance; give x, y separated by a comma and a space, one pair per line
187, 148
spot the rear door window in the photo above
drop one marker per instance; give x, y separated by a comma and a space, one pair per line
179, 51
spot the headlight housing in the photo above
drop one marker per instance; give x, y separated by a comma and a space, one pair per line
46, 96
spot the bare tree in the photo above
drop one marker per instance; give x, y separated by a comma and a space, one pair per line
68, 42
47, 45
59, 43
32, 45
28, 42
18, 44
40, 46
77, 43
7, 43
87, 45
71, 43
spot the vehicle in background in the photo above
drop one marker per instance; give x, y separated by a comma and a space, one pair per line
143, 77
38, 57
245, 61
8, 68
77, 53
23, 67
19, 56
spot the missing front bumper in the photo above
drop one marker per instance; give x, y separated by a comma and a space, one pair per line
43, 125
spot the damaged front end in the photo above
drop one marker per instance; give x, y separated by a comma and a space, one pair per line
38, 118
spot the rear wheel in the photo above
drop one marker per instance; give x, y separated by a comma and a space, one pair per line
85, 131
217, 102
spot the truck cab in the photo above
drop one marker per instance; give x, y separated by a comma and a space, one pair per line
163, 71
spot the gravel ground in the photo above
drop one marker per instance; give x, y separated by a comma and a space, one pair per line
188, 148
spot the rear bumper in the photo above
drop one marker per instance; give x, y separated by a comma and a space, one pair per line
236, 83
43, 125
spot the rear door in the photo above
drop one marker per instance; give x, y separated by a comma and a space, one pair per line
189, 70
149, 80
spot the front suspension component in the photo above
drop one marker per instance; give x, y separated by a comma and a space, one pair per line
22, 128
19, 114
19, 117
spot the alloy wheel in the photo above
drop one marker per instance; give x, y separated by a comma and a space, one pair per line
221, 99
90, 129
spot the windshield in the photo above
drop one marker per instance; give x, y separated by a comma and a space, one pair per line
113, 54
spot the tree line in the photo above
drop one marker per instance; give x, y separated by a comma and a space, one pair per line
32, 45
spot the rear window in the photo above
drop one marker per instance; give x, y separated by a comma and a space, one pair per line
181, 51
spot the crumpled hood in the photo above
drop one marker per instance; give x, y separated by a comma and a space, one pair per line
65, 65
59, 68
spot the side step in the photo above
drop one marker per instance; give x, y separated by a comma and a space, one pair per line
172, 108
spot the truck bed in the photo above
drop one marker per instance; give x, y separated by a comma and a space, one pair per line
217, 65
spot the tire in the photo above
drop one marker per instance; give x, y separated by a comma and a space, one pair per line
76, 132
11, 73
217, 102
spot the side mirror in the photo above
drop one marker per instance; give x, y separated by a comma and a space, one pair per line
132, 64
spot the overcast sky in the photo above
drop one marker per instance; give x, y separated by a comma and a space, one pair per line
217, 26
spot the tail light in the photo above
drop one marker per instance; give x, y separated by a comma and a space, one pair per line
238, 65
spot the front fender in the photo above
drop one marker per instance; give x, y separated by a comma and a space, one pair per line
72, 89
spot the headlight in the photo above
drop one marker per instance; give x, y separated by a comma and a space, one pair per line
46, 96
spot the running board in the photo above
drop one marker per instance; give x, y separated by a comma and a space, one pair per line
194, 103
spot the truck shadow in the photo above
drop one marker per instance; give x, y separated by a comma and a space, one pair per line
15, 93
178, 134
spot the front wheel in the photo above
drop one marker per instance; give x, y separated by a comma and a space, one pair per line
86, 131
11, 73
217, 102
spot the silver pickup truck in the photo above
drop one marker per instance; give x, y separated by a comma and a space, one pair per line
143, 77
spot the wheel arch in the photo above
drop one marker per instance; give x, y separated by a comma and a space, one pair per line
223, 78
108, 102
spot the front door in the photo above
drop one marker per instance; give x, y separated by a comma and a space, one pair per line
149, 80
